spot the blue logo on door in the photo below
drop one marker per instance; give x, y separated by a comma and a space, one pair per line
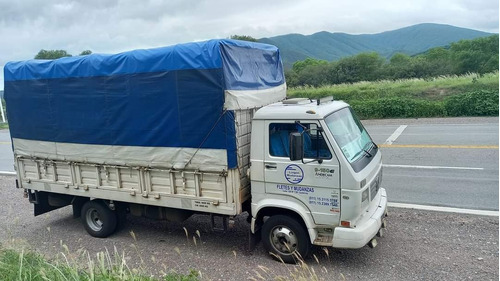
294, 174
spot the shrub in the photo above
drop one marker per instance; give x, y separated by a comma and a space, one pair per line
477, 103
398, 108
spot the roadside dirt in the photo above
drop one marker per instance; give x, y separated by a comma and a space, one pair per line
418, 245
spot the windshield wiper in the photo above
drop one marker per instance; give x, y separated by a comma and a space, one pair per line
366, 148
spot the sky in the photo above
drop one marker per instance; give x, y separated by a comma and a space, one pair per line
111, 26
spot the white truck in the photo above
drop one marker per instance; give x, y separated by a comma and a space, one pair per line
194, 128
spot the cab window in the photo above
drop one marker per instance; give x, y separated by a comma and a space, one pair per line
314, 142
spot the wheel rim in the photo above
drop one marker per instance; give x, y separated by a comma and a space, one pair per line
93, 219
283, 240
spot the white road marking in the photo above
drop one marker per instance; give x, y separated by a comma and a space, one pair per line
440, 146
430, 167
444, 209
396, 134
7, 173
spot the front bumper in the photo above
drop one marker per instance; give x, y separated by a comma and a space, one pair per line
358, 237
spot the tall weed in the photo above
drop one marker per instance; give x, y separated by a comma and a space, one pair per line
465, 95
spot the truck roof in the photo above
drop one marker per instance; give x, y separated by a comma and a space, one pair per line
299, 109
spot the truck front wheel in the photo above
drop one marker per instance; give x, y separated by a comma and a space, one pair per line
98, 219
285, 238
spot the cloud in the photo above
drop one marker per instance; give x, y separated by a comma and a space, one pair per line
109, 26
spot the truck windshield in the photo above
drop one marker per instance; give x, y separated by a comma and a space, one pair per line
352, 138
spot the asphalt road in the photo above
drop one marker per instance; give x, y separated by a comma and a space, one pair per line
441, 162
6, 155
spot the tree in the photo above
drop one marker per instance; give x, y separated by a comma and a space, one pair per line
51, 54
344, 71
362, 67
368, 66
243, 37
400, 66
86, 52
478, 55
298, 66
292, 78
314, 75
438, 61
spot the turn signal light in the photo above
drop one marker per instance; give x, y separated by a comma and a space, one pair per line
345, 223
362, 183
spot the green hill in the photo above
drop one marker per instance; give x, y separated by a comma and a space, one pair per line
328, 46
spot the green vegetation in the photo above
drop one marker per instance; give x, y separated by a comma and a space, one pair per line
243, 37
86, 52
465, 95
426, 85
479, 103
30, 266
466, 56
51, 54
55, 54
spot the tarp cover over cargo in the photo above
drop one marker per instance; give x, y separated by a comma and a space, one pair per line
164, 107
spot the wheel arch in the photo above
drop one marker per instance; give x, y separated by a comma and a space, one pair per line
289, 208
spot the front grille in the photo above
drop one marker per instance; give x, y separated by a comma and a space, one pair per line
374, 187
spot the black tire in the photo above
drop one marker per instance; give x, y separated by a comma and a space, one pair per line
285, 238
98, 219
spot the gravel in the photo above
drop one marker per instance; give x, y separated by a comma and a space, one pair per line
418, 245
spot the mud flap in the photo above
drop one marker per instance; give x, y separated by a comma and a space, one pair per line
41, 201
77, 204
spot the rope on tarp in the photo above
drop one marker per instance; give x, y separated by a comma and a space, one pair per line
205, 139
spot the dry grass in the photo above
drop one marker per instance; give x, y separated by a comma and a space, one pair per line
436, 88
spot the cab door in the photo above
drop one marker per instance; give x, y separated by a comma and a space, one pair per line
316, 185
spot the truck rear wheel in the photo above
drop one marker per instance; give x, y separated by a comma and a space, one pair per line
98, 219
285, 238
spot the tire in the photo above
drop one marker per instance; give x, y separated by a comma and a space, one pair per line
98, 219
285, 239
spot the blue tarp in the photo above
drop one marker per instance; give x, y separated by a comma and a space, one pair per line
164, 97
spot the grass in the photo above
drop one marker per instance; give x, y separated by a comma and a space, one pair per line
465, 95
428, 89
26, 265
20, 264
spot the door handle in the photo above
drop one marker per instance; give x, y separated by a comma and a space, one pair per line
271, 166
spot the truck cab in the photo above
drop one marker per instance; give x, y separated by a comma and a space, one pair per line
315, 177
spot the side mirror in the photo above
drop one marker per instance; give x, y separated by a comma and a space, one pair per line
296, 146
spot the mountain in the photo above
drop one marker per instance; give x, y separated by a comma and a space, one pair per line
328, 46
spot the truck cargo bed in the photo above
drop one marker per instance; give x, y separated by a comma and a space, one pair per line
192, 190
